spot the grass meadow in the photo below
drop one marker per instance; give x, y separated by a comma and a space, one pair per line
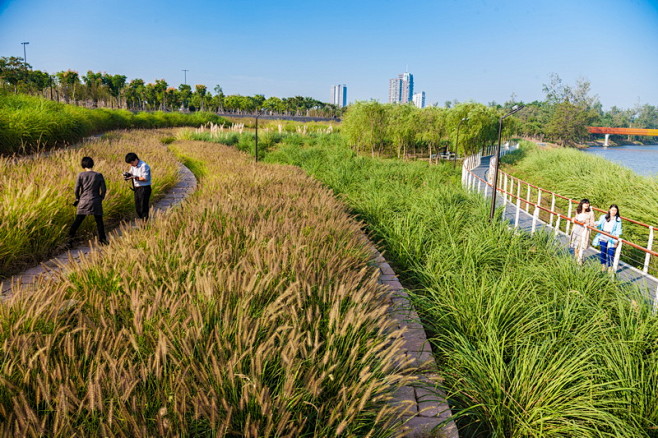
251, 311
36, 193
577, 175
529, 343
29, 123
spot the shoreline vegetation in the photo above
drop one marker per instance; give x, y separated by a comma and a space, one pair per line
245, 313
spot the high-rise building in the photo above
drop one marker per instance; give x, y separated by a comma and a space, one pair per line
401, 89
339, 95
419, 99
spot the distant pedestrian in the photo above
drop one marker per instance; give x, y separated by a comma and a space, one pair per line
579, 239
611, 224
90, 191
141, 175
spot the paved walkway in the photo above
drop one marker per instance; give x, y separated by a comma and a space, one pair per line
422, 403
626, 273
185, 186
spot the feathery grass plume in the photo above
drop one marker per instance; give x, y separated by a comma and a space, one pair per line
250, 311
36, 193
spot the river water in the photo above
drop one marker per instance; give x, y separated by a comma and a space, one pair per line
641, 159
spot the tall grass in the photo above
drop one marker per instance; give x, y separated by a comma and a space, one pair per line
29, 123
36, 193
529, 343
249, 312
577, 175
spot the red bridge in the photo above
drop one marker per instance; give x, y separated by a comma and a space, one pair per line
620, 131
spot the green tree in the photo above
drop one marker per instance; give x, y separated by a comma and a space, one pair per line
568, 124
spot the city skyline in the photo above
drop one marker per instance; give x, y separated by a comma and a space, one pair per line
475, 50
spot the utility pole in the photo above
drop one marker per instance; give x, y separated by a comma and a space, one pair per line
25, 52
185, 76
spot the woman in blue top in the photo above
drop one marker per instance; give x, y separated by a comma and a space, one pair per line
611, 224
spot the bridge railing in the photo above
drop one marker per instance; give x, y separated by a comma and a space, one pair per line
551, 216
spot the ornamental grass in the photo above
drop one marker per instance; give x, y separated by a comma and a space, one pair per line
30, 123
248, 311
36, 193
530, 344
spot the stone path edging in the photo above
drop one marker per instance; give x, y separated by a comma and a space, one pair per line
422, 403
186, 185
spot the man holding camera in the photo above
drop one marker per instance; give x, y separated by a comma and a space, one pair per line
140, 174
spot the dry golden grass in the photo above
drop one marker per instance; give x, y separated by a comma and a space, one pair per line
36, 193
248, 312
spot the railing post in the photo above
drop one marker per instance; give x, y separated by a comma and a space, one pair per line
566, 228
527, 200
518, 211
511, 188
647, 257
486, 190
534, 220
615, 265
479, 185
552, 207
557, 225
538, 202
505, 187
518, 190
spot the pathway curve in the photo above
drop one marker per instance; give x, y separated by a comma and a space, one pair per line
185, 186
422, 403
627, 273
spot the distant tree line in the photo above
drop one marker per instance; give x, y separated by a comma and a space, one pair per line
563, 116
398, 130
96, 89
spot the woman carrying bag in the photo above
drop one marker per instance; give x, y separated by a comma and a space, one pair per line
611, 224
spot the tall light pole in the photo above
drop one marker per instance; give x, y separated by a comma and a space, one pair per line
25, 52
514, 109
257, 135
185, 76
454, 162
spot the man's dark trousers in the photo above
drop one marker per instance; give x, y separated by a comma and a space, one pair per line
142, 196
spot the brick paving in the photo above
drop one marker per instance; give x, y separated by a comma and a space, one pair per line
422, 403
185, 186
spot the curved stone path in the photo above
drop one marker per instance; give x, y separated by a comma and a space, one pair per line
422, 403
185, 186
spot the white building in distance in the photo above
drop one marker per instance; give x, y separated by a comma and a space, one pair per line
339, 95
419, 99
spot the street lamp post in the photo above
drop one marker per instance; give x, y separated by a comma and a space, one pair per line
25, 52
514, 109
454, 161
185, 76
257, 135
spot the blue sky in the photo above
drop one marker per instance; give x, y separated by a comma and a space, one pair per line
481, 50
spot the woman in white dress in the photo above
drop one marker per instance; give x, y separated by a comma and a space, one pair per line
579, 240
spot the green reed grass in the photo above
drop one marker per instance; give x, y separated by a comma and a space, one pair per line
250, 311
29, 123
529, 343
36, 193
